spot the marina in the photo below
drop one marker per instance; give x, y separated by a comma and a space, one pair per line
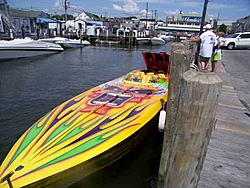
32, 87
81, 97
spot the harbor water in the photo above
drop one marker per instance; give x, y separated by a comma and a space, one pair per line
31, 87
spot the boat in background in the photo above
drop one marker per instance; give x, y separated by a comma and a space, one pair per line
53, 40
157, 41
89, 131
73, 43
67, 43
143, 40
164, 37
27, 47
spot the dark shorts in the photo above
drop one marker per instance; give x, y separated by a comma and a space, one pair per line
204, 59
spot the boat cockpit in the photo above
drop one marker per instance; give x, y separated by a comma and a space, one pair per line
145, 77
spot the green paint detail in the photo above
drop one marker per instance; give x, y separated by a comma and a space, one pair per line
31, 135
60, 129
77, 130
81, 148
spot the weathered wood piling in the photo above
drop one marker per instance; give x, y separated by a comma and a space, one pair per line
191, 108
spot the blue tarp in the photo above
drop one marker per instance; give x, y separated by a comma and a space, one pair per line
95, 24
45, 20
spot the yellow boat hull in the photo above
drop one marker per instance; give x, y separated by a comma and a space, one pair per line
86, 133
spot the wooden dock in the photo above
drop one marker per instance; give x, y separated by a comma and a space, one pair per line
227, 163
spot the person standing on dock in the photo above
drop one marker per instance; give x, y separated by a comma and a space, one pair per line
216, 56
207, 40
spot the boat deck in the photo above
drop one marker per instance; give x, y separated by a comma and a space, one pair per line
227, 162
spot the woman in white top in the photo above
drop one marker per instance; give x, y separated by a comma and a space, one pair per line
220, 41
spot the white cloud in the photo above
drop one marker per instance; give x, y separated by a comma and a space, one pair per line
194, 13
129, 6
172, 13
59, 8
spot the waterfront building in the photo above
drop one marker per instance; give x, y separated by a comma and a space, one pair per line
242, 25
184, 22
24, 22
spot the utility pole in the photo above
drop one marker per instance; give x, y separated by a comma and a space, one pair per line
0, 28
8, 16
66, 5
201, 30
147, 16
105, 14
155, 19
218, 17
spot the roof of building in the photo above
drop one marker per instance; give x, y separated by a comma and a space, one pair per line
25, 13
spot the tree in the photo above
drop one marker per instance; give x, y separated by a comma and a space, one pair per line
62, 17
223, 28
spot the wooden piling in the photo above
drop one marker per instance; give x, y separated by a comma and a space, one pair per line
179, 63
193, 127
191, 107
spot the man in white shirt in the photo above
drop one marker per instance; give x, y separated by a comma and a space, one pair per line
207, 40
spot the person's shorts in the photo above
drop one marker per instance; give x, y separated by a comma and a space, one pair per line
204, 59
216, 57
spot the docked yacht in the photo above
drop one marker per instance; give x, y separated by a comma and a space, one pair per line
157, 41
67, 43
164, 37
143, 40
27, 47
53, 40
73, 43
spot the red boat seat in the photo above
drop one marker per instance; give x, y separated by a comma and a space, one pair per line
157, 61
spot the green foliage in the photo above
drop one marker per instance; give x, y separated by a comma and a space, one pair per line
62, 17
92, 15
223, 28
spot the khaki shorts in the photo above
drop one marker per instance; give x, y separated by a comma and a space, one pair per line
216, 57
204, 59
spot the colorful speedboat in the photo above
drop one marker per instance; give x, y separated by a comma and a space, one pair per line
89, 131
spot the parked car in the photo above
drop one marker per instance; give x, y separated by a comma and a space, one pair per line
237, 40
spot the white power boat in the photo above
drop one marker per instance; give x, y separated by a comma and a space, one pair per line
157, 41
73, 43
165, 37
19, 48
53, 40
143, 40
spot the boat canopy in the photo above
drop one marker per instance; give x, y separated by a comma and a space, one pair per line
45, 20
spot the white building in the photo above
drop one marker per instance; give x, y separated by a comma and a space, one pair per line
83, 16
183, 23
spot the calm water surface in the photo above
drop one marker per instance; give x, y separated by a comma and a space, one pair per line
31, 87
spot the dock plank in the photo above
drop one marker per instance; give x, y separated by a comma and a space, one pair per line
227, 162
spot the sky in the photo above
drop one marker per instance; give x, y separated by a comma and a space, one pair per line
226, 10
